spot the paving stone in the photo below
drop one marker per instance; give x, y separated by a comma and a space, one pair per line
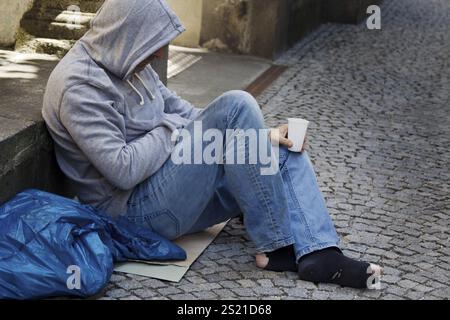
129, 284
167, 291
130, 298
117, 293
297, 292
265, 282
320, 295
407, 284
117, 277
229, 284
306, 285
373, 294
390, 279
183, 296
414, 295
224, 293
280, 282
196, 279
214, 277
396, 290
443, 293
247, 283
205, 295
210, 286
107, 298
267, 291
154, 283
338, 295
243, 292
145, 293
392, 297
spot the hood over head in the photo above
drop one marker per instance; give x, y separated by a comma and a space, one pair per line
126, 32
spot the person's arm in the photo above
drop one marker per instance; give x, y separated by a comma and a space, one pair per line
98, 130
174, 104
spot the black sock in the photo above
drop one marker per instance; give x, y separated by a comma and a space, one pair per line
282, 259
331, 266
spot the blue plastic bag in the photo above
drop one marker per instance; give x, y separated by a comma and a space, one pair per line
53, 246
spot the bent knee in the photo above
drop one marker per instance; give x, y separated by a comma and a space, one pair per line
241, 98
243, 105
240, 95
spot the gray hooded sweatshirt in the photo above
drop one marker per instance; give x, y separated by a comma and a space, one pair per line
112, 127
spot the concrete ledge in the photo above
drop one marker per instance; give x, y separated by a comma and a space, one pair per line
28, 161
26, 158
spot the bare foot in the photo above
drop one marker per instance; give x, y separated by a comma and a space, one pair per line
261, 260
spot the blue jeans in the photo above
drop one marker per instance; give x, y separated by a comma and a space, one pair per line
279, 210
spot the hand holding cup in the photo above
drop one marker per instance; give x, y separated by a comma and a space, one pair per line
296, 133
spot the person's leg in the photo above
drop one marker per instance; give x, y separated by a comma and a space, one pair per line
312, 226
310, 222
316, 241
220, 208
173, 199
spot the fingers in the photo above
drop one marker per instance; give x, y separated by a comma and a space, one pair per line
284, 130
279, 136
286, 142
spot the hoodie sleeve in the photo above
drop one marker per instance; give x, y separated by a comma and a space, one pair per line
98, 130
174, 104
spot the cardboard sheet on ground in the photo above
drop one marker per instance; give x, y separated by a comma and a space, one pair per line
174, 271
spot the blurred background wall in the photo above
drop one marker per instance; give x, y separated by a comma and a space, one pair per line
11, 12
263, 28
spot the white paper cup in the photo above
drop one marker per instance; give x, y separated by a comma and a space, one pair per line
297, 133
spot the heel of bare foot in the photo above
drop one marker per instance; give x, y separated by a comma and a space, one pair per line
261, 260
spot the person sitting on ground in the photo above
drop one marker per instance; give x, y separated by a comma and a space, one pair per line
113, 123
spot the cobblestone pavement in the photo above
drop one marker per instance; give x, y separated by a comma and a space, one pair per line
380, 110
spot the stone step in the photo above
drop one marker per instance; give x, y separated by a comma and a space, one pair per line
54, 30
56, 15
51, 27
57, 24
83, 5
55, 47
